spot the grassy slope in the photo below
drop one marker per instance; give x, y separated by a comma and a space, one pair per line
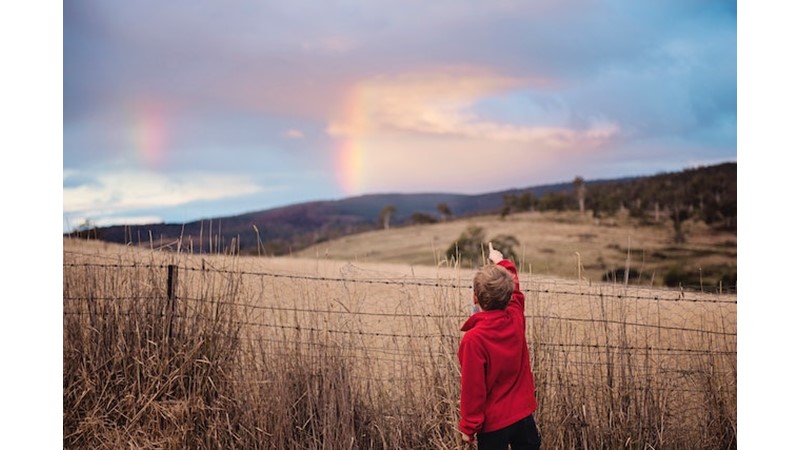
549, 245
387, 350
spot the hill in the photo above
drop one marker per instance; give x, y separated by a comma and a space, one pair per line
282, 230
707, 193
567, 245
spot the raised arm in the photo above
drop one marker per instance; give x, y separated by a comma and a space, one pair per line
517, 298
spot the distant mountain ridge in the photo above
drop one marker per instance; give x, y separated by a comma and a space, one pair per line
284, 229
279, 230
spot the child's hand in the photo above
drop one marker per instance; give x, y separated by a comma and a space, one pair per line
466, 438
494, 255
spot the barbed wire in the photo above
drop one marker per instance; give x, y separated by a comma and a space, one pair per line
413, 361
359, 350
670, 296
419, 315
540, 386
445, 336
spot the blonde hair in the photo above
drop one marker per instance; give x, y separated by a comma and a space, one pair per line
493, 285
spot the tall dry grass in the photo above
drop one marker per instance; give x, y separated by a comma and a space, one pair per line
260, 353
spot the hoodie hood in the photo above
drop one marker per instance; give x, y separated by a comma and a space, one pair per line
483, 316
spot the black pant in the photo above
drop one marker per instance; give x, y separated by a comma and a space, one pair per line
523, 435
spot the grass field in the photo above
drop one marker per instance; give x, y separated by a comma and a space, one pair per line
553, 244
353, 344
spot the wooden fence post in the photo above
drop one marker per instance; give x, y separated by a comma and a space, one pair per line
172, 283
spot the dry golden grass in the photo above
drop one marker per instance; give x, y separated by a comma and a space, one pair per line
322, 353
549, 245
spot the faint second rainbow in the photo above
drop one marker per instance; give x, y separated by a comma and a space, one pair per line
350, 152
147, 132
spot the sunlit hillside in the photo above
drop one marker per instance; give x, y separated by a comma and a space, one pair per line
561, 244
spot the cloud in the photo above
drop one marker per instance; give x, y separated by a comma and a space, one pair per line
461, 165
78, 221
294, 134
442, 102
128, 190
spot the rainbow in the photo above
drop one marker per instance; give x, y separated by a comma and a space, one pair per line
148, 132
350, 154
351, 166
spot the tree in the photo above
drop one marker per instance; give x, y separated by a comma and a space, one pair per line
444, 211
470, 247
419, 218
526, 201
86, 226
505, 244
554, 201
385, 216
467, 248
510, 204
511, 201
679, 213
87, 230
580, 191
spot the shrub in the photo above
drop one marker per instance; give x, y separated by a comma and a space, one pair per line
470, 247
707, 279
505, 243
618, 275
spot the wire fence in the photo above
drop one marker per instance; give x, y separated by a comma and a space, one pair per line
588, 342
659, 295
673, 322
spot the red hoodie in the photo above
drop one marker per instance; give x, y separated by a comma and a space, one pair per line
496, 379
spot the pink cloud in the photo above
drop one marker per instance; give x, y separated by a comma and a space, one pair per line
421, 131
440, 103
293, 134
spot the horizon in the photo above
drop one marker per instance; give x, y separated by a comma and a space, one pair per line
369, 194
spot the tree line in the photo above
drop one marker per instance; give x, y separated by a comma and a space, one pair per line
707, 194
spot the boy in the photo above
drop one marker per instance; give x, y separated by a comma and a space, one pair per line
497, 391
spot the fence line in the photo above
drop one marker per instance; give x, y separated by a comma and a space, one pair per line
172, 297
283, 339
426, 316
670, 296
451, 337
171, 289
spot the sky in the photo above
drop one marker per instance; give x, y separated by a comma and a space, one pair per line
182, 110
